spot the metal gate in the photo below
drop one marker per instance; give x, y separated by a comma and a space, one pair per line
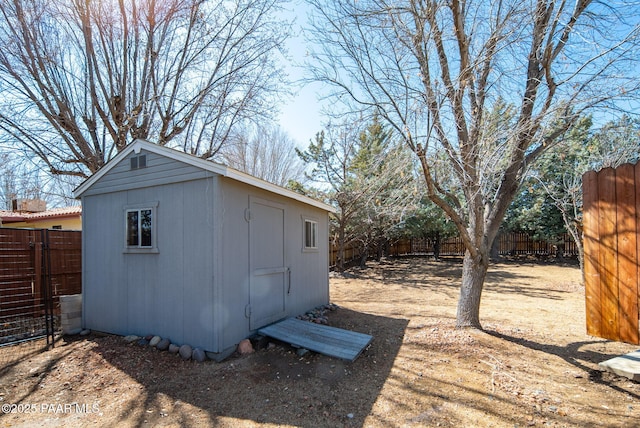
36, 267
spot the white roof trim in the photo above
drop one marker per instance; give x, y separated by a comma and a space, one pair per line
217, 168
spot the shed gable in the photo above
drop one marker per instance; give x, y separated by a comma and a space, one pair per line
145, 169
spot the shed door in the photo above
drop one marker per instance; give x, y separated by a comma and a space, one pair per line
267, 285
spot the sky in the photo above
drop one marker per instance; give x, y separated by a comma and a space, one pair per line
300, 116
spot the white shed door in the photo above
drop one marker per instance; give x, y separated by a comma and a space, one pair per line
267, 285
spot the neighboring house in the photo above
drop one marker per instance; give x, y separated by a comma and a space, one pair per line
196, 252
68, 218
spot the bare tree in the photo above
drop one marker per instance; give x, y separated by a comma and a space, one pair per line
383, 171
433, 68
8, 181
268, 153
560, 169
22, 176
366, 176
332, 154
81, 79
18, 180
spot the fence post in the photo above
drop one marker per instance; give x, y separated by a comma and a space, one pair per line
35, 243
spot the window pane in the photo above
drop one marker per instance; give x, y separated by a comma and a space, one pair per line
313, 234
309, 234
132, 228
145, 228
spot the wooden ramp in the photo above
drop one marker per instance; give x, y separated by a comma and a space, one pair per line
331, 341
626, 365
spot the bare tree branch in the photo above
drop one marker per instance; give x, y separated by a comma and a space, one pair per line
83, 78
435, 68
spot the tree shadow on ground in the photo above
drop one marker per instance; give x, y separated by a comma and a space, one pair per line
528, 291
274, 385
14, 355
446, 274
575, 354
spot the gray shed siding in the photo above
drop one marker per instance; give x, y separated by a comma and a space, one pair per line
141, 294
169, 293
309, 271
160, 170
197, 287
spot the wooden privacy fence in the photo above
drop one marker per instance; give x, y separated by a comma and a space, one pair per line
37, 266
507, 244
611, 224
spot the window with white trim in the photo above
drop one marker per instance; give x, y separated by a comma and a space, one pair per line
310, 234
140, 228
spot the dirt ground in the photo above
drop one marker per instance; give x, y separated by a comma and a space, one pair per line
533, 365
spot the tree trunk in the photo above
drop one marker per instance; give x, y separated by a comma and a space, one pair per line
364, 256
576, 234
495, 249
580, 256
382, 248
474, 271
341, 245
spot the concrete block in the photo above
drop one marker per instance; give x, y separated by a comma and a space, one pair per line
626, 365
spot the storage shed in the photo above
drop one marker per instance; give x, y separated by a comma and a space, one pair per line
196, 252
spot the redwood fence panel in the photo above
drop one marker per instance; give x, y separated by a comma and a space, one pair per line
611, 270
591, 249
37, 266
19, 285
65, 249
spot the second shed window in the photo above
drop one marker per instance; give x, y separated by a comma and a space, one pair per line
310, 234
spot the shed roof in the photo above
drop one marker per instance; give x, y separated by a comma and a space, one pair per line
217, 168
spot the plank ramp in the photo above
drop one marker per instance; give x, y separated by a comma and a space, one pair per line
331, 341
627, 365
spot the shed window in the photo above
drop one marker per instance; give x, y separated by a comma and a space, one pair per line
139, 228
310, 234
140, 225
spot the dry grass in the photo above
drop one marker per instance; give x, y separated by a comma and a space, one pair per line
532, 366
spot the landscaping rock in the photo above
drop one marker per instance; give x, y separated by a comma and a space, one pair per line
173, 348
143, 342
317, 315
185, 352
301, 352
259, 341
245, 347
155, 340
199, 355
131, 338
163, 345
85, 332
